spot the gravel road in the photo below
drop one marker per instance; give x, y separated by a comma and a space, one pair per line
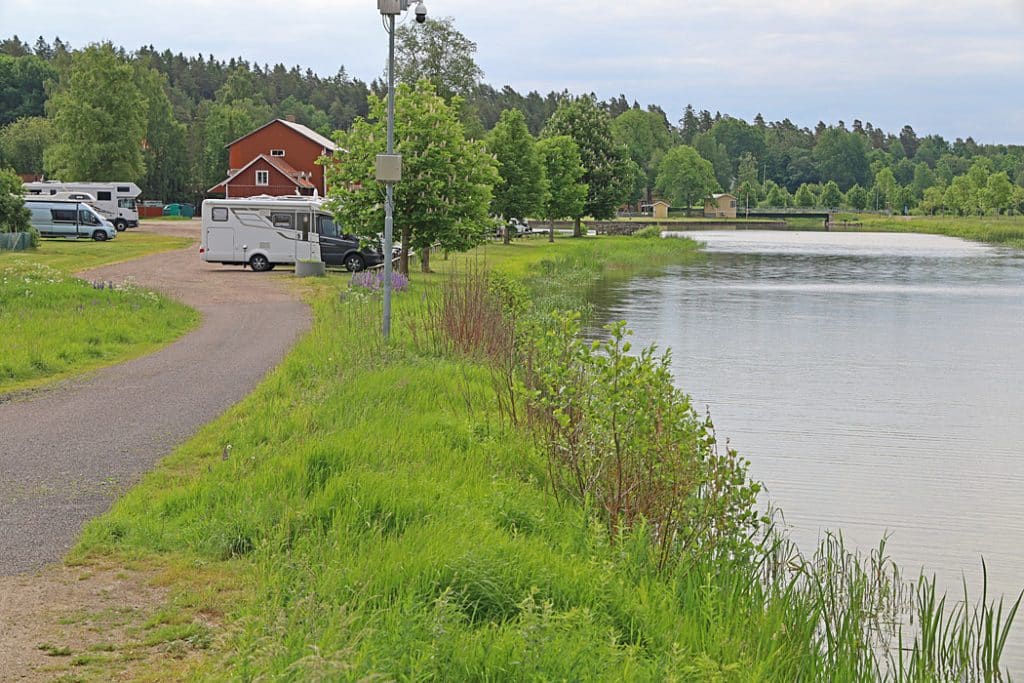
66, 452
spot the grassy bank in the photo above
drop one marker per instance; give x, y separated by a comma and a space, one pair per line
53, 325
1001, 230
369, 512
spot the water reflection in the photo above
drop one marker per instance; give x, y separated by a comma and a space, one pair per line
875, 381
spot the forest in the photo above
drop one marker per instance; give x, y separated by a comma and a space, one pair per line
169, 117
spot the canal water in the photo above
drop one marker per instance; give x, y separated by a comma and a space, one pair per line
875, 381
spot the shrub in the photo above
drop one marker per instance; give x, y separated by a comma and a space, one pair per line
14, 217
650, 232
620, 436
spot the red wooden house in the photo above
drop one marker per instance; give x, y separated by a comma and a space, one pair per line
276, 159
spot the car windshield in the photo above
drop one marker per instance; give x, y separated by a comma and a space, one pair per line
325, 225
86, 217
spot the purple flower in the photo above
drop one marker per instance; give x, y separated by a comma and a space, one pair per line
373, 280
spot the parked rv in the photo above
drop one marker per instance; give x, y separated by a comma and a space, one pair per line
68, 218
115, 201
262, 232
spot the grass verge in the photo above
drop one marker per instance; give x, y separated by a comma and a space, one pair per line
1000, 230
384, 521
53, 326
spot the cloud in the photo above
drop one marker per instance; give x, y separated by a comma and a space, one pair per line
942, 62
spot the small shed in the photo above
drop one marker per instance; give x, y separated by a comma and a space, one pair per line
720, 206
659, 209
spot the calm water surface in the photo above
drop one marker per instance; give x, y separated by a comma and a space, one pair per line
875, 381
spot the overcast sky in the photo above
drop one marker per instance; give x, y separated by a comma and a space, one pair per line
954, 68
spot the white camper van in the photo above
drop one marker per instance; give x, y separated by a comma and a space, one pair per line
115, 201
263, 232
68, 218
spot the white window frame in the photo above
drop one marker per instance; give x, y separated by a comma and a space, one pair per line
262, 178
277, 152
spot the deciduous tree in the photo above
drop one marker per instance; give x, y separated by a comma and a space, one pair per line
520, 190
23, 142
23, 83
438, 52
99, 119
447, 180
607, 173
684, 176
566, 194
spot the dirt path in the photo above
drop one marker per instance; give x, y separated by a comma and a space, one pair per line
68, 451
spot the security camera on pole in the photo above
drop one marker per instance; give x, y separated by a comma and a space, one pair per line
389, 165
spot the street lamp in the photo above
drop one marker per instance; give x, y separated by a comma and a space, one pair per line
389, 165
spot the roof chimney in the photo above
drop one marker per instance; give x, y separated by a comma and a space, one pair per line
291, 118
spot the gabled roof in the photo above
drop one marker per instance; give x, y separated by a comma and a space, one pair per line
278, 165
302, 130
723, 194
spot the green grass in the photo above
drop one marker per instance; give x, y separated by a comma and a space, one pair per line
1001, 230
53, 325
382, 521
77, 255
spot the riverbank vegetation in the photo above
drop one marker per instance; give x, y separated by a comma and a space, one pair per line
1000, 230
481, 499
54, 325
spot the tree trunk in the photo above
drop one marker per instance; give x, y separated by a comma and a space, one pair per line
507, 238
551, 231
577, 230
425, 260
403, 260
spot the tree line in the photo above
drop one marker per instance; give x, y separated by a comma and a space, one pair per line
163, 120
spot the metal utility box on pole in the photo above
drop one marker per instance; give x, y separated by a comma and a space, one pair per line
389, 165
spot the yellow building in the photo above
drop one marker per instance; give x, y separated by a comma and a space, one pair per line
660, 209
720, 206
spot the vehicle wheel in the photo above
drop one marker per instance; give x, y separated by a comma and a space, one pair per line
99, 236
354, 263
260, 263
120, 225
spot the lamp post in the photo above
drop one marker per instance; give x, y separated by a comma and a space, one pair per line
389, 165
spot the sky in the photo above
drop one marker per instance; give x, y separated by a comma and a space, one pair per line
952, 68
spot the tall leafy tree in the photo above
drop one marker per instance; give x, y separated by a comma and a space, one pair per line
566, 193
447, 179
684, 176
608, 176
714, 151
164, 150
520, 190
438, 52
99, 119
224, 122
841, 156
646, 137
23, 142
23, 83
739, 138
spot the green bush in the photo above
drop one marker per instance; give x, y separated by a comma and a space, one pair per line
650, 232
14, 217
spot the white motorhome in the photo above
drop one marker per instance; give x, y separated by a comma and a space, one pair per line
115, 201
68, 218
262, 232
